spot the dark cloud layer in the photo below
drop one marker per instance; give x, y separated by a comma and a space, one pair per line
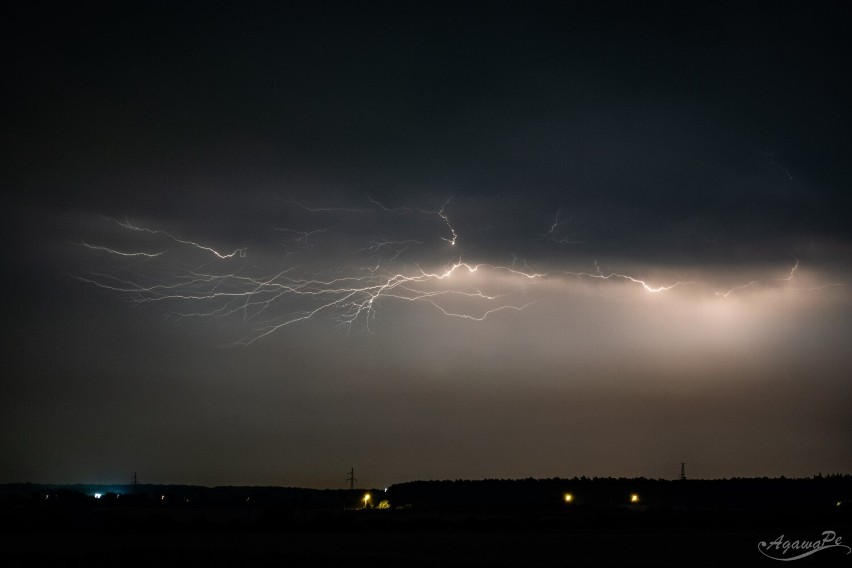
705, 145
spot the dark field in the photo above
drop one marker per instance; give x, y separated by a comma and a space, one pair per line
442, 524
669, 547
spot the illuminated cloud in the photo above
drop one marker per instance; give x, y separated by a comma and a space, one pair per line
346, 282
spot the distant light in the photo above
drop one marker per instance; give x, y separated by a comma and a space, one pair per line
162, 497
98, 495
569, 498
634, 497
386, 489
367, 499
839, 503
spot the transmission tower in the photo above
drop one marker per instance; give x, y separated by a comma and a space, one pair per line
682, 471
351, 479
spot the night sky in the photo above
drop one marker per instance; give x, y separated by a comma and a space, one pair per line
262, 243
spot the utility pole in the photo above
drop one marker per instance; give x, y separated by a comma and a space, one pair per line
135, 483
351, 479
682, 471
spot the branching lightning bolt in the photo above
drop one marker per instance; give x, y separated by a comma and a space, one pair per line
223, 256
751, 283
551, 233
395, 210
440, 213
118, 252
613, 275
303, 235
376, 272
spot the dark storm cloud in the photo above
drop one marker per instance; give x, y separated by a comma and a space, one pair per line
636, 117
701, 144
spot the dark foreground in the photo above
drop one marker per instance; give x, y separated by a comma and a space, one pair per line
442, 524
485, 546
